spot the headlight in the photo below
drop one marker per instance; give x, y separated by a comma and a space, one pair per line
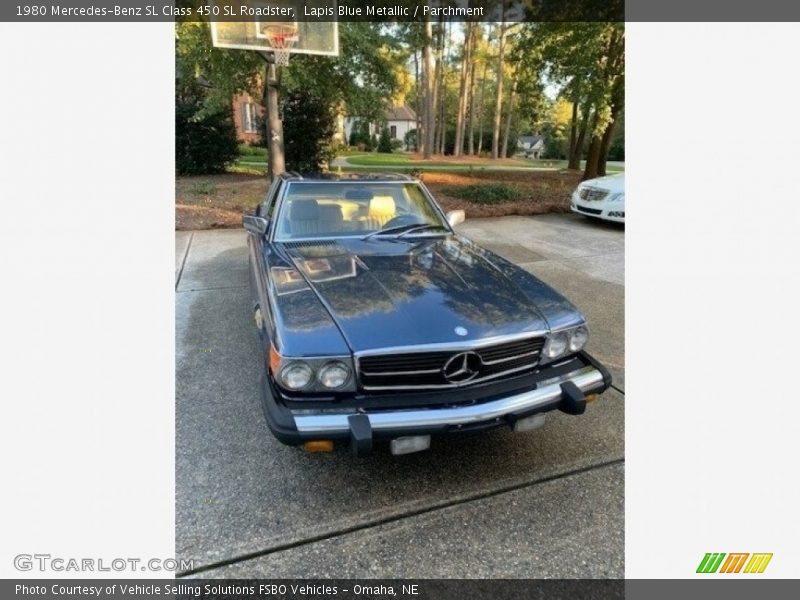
334, 375
309, 375
617, 197
564, 342
296, 375
556, 345
578, 338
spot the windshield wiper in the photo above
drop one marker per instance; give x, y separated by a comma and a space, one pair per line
409, 226
420, 228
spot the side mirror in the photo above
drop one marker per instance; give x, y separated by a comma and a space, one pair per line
257, 225
456, 217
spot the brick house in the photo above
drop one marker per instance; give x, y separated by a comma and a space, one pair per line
246, 114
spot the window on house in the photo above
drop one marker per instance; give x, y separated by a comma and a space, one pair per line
393, 132
249, 117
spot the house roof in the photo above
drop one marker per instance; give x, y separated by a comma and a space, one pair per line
530, 139
400, 113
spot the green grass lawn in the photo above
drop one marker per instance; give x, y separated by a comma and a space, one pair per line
253, 163
407, 161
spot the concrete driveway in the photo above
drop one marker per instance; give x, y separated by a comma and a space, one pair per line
547, 503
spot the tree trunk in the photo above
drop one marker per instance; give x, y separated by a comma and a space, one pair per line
593, 155
605, 142
575, 158
507, 130
418, 103
461, 113
276, 164
481, 108
498, 95
443, 88
471, 144
436, 88
573, 129
427, 75
617, 104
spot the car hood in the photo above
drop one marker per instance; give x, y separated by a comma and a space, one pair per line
387, 292
613, 183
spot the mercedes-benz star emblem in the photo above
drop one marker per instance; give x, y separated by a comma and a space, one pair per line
462, 367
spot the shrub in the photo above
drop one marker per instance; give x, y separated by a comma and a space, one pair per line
410, 139
385, 141
308, 126
487, 193
204, 145
397, 145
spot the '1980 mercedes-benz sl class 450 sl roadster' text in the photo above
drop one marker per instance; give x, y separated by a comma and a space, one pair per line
379, 321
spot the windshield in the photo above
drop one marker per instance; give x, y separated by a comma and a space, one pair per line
354, 208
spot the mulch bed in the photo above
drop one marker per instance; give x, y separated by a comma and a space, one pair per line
218, 201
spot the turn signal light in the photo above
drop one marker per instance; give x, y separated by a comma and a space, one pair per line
274, 360
318, 446
591, 397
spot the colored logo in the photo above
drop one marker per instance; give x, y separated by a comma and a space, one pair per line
736, 562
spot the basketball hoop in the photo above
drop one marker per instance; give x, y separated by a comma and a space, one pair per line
281, 37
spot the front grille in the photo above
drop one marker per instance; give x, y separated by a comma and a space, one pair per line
591, 211
420, 370
591, 194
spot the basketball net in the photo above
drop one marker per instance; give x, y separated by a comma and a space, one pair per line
282, 38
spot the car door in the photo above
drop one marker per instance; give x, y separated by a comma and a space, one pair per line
257, 245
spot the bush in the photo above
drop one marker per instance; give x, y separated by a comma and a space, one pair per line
410, 139
385, 142
308, 126
487, 193
359, 135
205, 145
397, 145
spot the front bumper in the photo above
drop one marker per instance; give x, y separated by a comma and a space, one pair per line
607, 211
564, 392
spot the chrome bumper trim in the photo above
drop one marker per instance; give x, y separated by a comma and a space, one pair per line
587, 379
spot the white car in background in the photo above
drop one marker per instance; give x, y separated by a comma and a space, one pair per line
601, 198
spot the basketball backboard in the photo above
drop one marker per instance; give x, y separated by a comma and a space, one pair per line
269, 25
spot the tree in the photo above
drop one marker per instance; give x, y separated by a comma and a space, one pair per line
308, 123
206, 144
368, 70
464, 90
509, 115
385, 141
429, 117
498, 94
588, 60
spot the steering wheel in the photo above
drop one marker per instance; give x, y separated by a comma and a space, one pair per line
400, 220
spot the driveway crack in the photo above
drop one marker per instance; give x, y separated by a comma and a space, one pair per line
396, 518
183, 262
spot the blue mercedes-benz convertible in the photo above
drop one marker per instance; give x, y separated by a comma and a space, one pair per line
379, 322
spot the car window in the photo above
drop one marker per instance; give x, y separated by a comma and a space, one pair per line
267, 207
326, 209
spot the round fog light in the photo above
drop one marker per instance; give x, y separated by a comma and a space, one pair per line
556, 345
578, 338
296, 375
334, 375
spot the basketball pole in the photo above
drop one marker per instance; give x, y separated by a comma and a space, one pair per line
276, 159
